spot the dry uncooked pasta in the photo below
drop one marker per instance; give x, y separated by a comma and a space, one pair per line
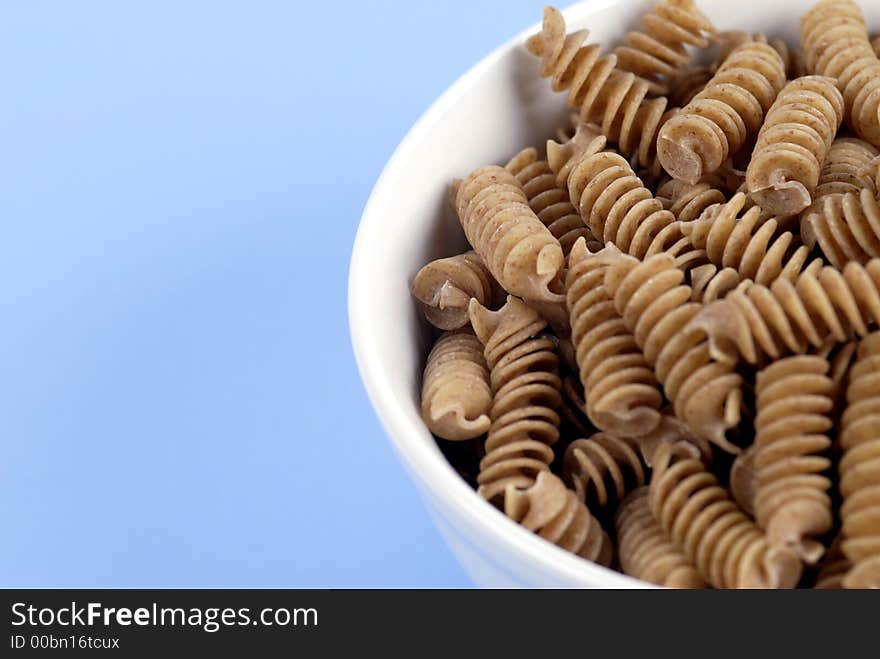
756, 250
525, 388
835, 42
549, 201
678, 372
797, 133
794, 402
656, 307
646, 551
729, 550
591, 80
659, 51
553, 511
847, 169
518, 249
717, 122
456, 396
444, 289
622, 395
601, 469
860, 468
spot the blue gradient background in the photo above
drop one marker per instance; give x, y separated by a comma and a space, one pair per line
180, 185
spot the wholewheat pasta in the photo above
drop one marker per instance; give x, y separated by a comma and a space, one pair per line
517, 248
645, 549
729, 550
756, 250
621, 392
794, 403
860, 468
797, 133
525, 388
835, 42
456, 395
592, 79
444, 289
718, 121
659, 52
601, 469
663, 352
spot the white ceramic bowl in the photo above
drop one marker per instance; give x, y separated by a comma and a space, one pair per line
496, 109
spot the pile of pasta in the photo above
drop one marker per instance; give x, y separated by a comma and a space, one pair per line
662, 351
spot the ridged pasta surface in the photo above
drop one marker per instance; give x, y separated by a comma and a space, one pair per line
525, 388
646, 551
456, 394
860, 468
794, 403
835, 42
603, 468
615, 100
717, 122
518, 249
659, 51
797, 133
622, 395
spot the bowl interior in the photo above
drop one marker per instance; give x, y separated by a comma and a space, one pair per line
501, 106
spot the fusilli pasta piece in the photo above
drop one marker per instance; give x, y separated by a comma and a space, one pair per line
656, 307
525, 389
794, 402
601, 469
456, 395
645, 550
689, 201
860, 468
797, 133
835, 41
729, 550
444, 289
517, 248
718, 121
659, 51
621, 392
756, 250
552, 511
603, 94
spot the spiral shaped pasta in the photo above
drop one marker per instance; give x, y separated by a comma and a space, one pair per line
860, 468
835, 42
729, 550
689, 201
548, 201
792, 58
659, 52
787, 317
603, 94
645, 550
444, 289
848, 228
719, 120
612, 200
601, 469
517, 248
552, 511
794, 402
755, 250
655, 306
525, 388
796, 135
622, 395
456, 395
847, 169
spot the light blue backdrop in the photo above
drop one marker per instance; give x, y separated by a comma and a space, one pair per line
180, 184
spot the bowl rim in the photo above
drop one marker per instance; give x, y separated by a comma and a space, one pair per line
441, 480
